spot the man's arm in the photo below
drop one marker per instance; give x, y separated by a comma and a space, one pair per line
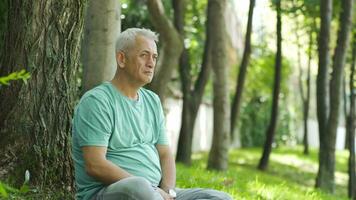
97, 166
168, 167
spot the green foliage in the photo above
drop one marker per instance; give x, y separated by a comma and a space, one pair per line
291, 175
20, 75
194, 29
257, 102
133, 17
8, 192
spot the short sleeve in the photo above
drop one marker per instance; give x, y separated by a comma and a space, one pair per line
162, 136
92, 122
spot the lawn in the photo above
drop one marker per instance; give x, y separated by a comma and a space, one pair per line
291, 175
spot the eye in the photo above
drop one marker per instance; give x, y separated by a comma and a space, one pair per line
144, 55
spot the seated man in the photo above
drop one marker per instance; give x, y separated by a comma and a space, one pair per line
120, 148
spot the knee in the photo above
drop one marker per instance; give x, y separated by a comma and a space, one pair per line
138, 181
139, 187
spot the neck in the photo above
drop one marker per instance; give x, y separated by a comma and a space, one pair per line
125, 87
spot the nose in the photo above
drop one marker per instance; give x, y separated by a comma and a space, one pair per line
151, 62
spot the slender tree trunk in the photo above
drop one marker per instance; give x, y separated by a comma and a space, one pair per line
351, 125
102, 26
263, 164
218, 156
191, 96
235, 107
345, 102
304, 97
306, 102
322, 77
326, 176
185, 136
171, 47
43, 37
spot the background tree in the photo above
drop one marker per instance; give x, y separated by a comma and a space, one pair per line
218, 155
270, 132
306, 96
192, 95
235, 107
322, 77
351, 124
326, 177
305, 23
171, 47
43, 37
102, 26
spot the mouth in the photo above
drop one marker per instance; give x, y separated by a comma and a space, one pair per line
148, 72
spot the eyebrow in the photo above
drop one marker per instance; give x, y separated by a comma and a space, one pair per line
147, 51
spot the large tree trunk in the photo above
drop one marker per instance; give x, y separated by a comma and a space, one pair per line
191, 96
102, 26
263, 164
351, 125
235, 107
326, 176
322, 77
171, 47
218, 156
43, 37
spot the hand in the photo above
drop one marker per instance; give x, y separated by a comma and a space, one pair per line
165, 195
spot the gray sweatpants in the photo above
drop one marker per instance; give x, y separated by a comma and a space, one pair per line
137, 188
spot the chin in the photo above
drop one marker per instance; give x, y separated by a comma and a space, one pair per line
147, 81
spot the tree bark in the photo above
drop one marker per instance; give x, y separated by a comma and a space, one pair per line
351, 125
218, 156
102, 26
322, 77
43, 37
192, 96
326, 177
263, 164
235, 108
171, 47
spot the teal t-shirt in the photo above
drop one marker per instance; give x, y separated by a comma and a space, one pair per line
129, 129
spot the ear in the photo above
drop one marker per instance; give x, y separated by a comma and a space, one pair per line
120, 59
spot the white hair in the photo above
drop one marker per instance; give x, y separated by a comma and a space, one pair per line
127, 38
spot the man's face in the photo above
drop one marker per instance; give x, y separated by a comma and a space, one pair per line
140, 60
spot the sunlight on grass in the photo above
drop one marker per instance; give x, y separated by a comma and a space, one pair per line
293, 160
291, 175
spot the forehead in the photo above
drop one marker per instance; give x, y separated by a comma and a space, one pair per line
145, 44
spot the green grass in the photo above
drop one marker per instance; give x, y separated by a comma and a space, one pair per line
290, 175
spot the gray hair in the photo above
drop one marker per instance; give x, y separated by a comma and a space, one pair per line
126, 39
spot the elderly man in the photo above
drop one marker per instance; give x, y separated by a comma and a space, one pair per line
120, 148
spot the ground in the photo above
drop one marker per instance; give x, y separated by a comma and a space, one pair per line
291, 175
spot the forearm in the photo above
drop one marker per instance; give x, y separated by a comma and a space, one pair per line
107, 172
168, 172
